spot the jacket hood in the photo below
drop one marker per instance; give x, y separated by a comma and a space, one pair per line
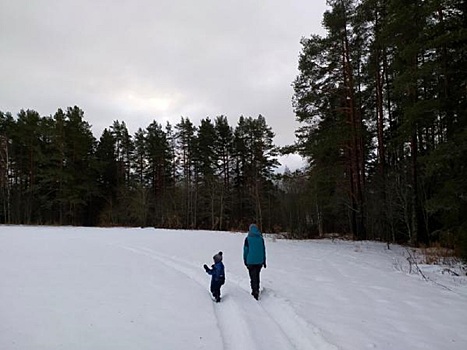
254, 230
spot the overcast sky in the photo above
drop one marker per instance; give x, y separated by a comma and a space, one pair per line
143, 60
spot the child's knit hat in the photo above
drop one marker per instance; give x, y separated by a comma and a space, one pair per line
218, 257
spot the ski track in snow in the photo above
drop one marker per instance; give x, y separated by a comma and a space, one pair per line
233, 338
243, 322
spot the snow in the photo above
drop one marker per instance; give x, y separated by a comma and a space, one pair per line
117, 288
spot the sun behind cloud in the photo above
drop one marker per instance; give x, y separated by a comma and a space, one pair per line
144, 102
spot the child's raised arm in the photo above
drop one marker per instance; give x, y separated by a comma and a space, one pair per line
208, 270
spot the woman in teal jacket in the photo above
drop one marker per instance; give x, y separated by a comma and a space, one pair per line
254, 257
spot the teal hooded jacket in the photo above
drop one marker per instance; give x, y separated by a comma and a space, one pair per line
254, 250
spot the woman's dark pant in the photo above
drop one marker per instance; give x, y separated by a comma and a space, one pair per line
254, 271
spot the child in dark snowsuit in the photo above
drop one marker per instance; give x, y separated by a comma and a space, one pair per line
218, 276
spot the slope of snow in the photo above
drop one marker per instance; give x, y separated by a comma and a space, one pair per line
91, 288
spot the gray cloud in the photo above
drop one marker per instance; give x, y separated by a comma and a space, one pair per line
143, 60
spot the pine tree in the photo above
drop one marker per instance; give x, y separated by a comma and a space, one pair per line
81, 185
185, 137
206, 181
159, 170
107, 179
6, 127
328, 99
28, 156
255, 161
223, 148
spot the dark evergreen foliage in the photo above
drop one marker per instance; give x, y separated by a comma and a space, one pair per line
382, 102
53, 171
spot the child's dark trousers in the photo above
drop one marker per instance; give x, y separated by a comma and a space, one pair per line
216, 289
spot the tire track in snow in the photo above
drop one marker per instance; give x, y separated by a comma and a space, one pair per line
293, 331
234, 338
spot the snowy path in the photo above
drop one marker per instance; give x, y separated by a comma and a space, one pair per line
245, 323
75, 288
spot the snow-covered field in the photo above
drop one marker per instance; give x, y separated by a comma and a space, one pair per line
89, 288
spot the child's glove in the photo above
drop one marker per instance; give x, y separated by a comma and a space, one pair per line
206, 267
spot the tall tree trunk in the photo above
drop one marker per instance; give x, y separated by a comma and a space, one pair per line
356, 140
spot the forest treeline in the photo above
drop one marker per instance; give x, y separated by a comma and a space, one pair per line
382, 99
210, 176
382, 103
